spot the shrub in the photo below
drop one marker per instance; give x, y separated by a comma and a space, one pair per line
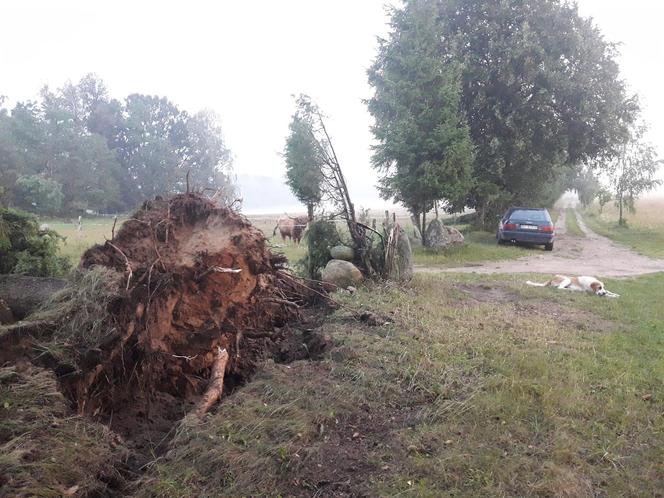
321, 235
27, 250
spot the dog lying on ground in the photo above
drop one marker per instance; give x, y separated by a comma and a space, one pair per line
580, 284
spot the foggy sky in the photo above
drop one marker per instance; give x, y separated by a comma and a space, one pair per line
246, 59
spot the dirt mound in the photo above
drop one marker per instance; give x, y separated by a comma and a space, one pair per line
195, 279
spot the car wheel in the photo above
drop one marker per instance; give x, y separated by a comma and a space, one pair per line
501, 242
548, 247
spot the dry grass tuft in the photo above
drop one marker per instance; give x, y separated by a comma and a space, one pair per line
82, 310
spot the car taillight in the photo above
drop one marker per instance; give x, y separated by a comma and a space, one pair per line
509, 226
546, 228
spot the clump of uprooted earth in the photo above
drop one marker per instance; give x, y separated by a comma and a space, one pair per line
183, 301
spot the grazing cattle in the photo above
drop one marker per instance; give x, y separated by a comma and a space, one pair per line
291, 228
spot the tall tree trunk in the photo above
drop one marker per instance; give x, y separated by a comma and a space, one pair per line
620, 208
417, 224
424, 227
310, 212
481, 212
435, 206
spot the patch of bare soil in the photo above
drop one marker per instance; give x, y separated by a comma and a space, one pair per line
590, 255
358, 447
499, 294
485, 293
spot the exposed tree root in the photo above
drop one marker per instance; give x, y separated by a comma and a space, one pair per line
216, 386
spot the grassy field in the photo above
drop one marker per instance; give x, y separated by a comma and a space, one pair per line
95, 231
572, 225
479, 386
644, 232
479, 246
555, 213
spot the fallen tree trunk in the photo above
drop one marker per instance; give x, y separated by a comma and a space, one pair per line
24, 294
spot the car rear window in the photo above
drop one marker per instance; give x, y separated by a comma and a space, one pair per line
529, 215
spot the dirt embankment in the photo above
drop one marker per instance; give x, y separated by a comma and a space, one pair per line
592, 254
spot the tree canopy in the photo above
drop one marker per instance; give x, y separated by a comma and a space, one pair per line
540, 90
103, 154
424, 150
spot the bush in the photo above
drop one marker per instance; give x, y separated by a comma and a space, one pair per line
27, 250
321, 235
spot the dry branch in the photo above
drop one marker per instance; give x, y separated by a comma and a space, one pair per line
128, 266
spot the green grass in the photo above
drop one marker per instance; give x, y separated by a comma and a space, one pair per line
647, 240
479, 246
571, 224
95, 231
481, 386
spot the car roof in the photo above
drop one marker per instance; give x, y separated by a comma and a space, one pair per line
514, 208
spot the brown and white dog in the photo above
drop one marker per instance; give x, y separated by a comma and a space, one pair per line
580, 284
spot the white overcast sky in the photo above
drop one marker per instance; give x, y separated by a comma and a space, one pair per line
244, 59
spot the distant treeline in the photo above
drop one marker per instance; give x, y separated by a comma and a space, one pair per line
76, 149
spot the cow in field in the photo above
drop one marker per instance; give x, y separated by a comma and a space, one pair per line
291, 227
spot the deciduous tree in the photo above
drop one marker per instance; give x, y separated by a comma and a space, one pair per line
633, 172
540, 90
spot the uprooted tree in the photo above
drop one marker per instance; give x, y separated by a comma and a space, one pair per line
187, 291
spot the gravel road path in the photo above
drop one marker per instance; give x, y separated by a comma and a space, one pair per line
592, 254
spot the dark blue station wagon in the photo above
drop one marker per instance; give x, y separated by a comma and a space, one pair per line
529, 225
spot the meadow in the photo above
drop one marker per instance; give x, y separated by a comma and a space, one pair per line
644, 231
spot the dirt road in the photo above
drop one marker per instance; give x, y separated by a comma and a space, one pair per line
590, 255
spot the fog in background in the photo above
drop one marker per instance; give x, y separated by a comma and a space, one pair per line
245, 60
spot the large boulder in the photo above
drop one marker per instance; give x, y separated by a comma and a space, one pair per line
341, 273
399, 256
404, 263
439, 236
342, 252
